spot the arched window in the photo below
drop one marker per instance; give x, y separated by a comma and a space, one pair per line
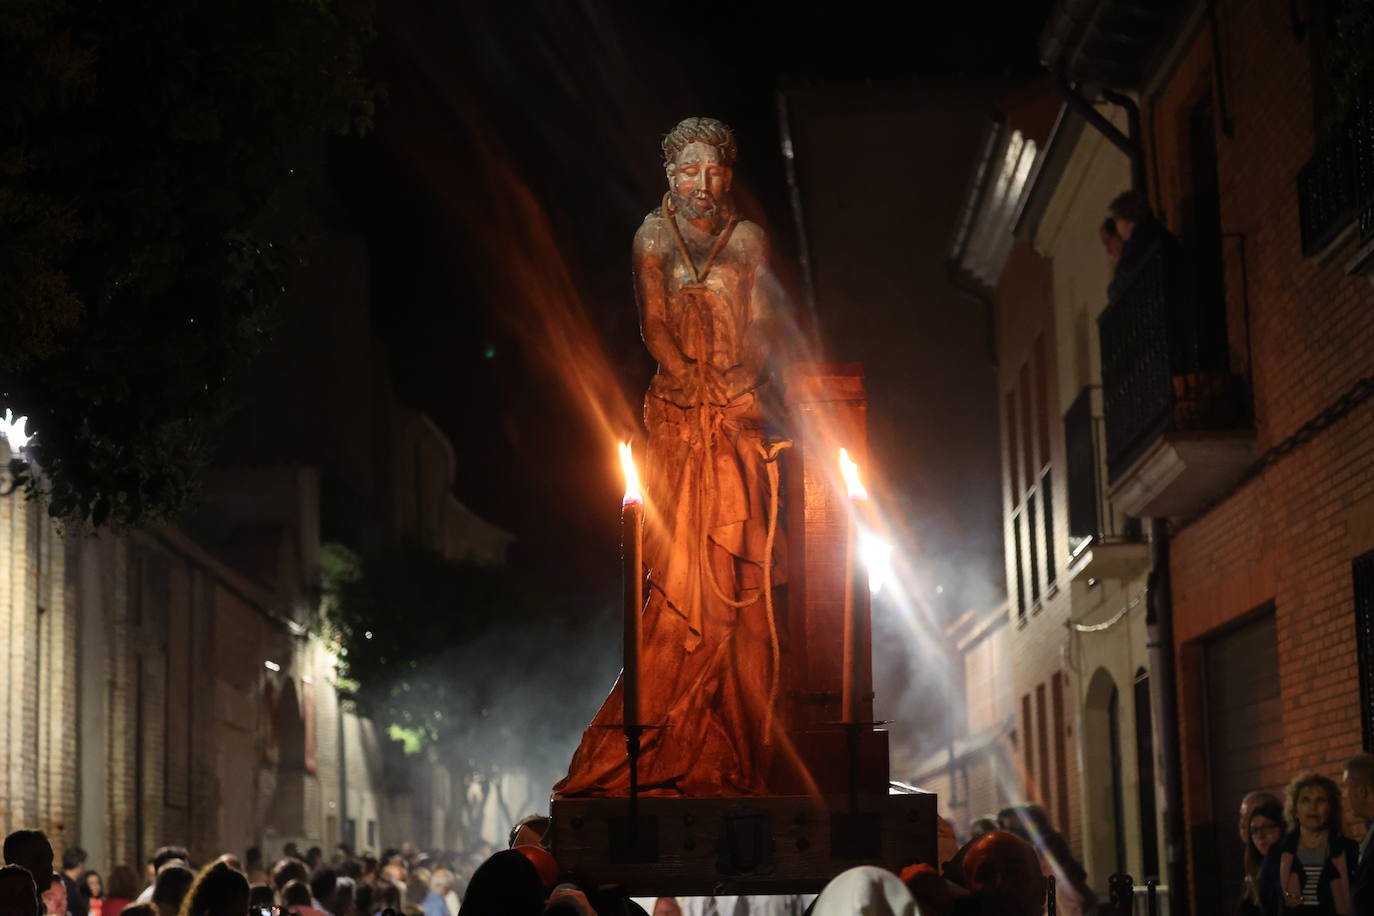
1104, 811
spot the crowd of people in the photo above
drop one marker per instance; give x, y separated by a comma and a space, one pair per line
1303, 854
1301, 858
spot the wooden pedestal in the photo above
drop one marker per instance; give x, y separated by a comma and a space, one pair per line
829, 807
780, 844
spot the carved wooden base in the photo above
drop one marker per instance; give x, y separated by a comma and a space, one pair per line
789, 844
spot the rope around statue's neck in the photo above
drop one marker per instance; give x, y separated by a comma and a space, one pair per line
766, 592
698, 276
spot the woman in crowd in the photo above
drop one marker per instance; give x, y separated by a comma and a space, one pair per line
219, 890
1308, 871
93, 886
124, 887
1263, 829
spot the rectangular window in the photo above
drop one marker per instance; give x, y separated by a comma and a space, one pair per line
1013, 472
176, 673
1047, 512
1042, 738
1028, 458
1080, 470
1020, 565
1028, 746
308, 714
1042, 397
134, 586
1061, 755
1362, 571
1032, 537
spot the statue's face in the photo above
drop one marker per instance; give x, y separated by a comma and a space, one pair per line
698, 180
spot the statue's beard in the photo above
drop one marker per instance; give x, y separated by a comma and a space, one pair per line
697, 207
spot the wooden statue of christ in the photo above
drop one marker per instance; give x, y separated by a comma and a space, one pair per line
708, 670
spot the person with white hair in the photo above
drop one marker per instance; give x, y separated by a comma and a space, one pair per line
433, 903
866, 889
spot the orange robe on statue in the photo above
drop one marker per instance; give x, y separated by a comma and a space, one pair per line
706, 664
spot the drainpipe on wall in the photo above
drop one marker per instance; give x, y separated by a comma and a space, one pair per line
352, 840
1159, 617
1159, 624
1129, 145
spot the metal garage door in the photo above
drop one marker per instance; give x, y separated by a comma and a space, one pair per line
1244, 749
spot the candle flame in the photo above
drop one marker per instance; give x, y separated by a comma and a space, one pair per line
633, 493
12, 431
877, 557
850, 472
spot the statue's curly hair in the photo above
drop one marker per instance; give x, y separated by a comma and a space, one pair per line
705, 130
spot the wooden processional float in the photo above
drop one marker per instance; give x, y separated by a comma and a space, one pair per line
829, 804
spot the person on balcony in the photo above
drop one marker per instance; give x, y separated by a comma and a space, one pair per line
1111, 240
1140, 232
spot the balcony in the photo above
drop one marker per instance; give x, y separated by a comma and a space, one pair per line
1336, 186
1177, 420
1104, 543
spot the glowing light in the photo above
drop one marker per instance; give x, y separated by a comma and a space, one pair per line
850, 472
271, 666
13, 431
633, 492
367, 634
877, 557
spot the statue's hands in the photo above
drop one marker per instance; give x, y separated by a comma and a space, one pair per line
725, 386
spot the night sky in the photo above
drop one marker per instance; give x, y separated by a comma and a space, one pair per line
517, 152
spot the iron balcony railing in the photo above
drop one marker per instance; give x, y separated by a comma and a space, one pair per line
1092, 517
1165, 365
1336, 186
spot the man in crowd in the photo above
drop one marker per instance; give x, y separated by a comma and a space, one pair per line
1358, 783
173, 882
73, 870
322, 883
55, 896
529, 831
31, 851
1004, 875
165, 855
286, 870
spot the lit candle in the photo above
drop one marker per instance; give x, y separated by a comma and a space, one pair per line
632, 554
849, 471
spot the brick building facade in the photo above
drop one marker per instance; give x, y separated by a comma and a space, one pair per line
1266, 576
158, 690
1234, 368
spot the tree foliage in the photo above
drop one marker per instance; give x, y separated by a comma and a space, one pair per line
473, 664
151, 158
399, 615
